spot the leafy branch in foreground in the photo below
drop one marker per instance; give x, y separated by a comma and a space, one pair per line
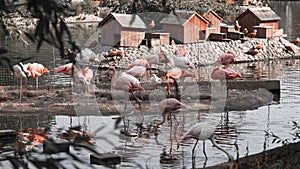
284, 141
50, 25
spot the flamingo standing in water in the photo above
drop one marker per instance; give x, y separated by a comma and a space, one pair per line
20, 71
167, 106
66, 69
226, 59
127, 83
36, 70
203, 131
224, 74
69, 69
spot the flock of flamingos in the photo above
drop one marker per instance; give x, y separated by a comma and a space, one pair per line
128, 81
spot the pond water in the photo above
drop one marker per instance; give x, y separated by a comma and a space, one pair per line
245, 128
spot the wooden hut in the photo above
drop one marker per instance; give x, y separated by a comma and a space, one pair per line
214, 22
260, 16
122, 30
185, 26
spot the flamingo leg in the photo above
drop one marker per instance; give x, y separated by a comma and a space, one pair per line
123, 117
37, 86
204, 152
160, 123
21, 90
137, 100
171, 132
193, 151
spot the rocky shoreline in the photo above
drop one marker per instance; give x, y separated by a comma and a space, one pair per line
206, 52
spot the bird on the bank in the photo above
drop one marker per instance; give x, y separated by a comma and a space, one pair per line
252, 34
226, 59
112, 52
296, 41
203, 131
20, 71
258, 46
36, 70
173, 42
167, 106
253, 51
290, 48
224, 74
245, 31
151, 25
237, 27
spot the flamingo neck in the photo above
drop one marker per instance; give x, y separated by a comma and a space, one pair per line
230, 157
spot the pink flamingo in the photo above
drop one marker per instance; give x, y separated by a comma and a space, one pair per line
88, 75
175, 74
137, 71
126, 83
224, 74
65, 69
183, 62
181, 51
152, 58
203, 131
69, 69
226, 59
87, 55
20, 71
167, 106
139, 62
36, 70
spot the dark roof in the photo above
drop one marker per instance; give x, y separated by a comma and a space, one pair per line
181, 17
262, 13
125, 20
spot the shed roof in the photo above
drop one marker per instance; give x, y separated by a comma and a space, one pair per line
262, 13
125, 20
214, 13
181, 17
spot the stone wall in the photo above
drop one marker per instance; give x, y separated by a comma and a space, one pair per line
207, 52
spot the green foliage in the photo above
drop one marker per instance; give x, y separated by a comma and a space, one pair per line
284, 141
